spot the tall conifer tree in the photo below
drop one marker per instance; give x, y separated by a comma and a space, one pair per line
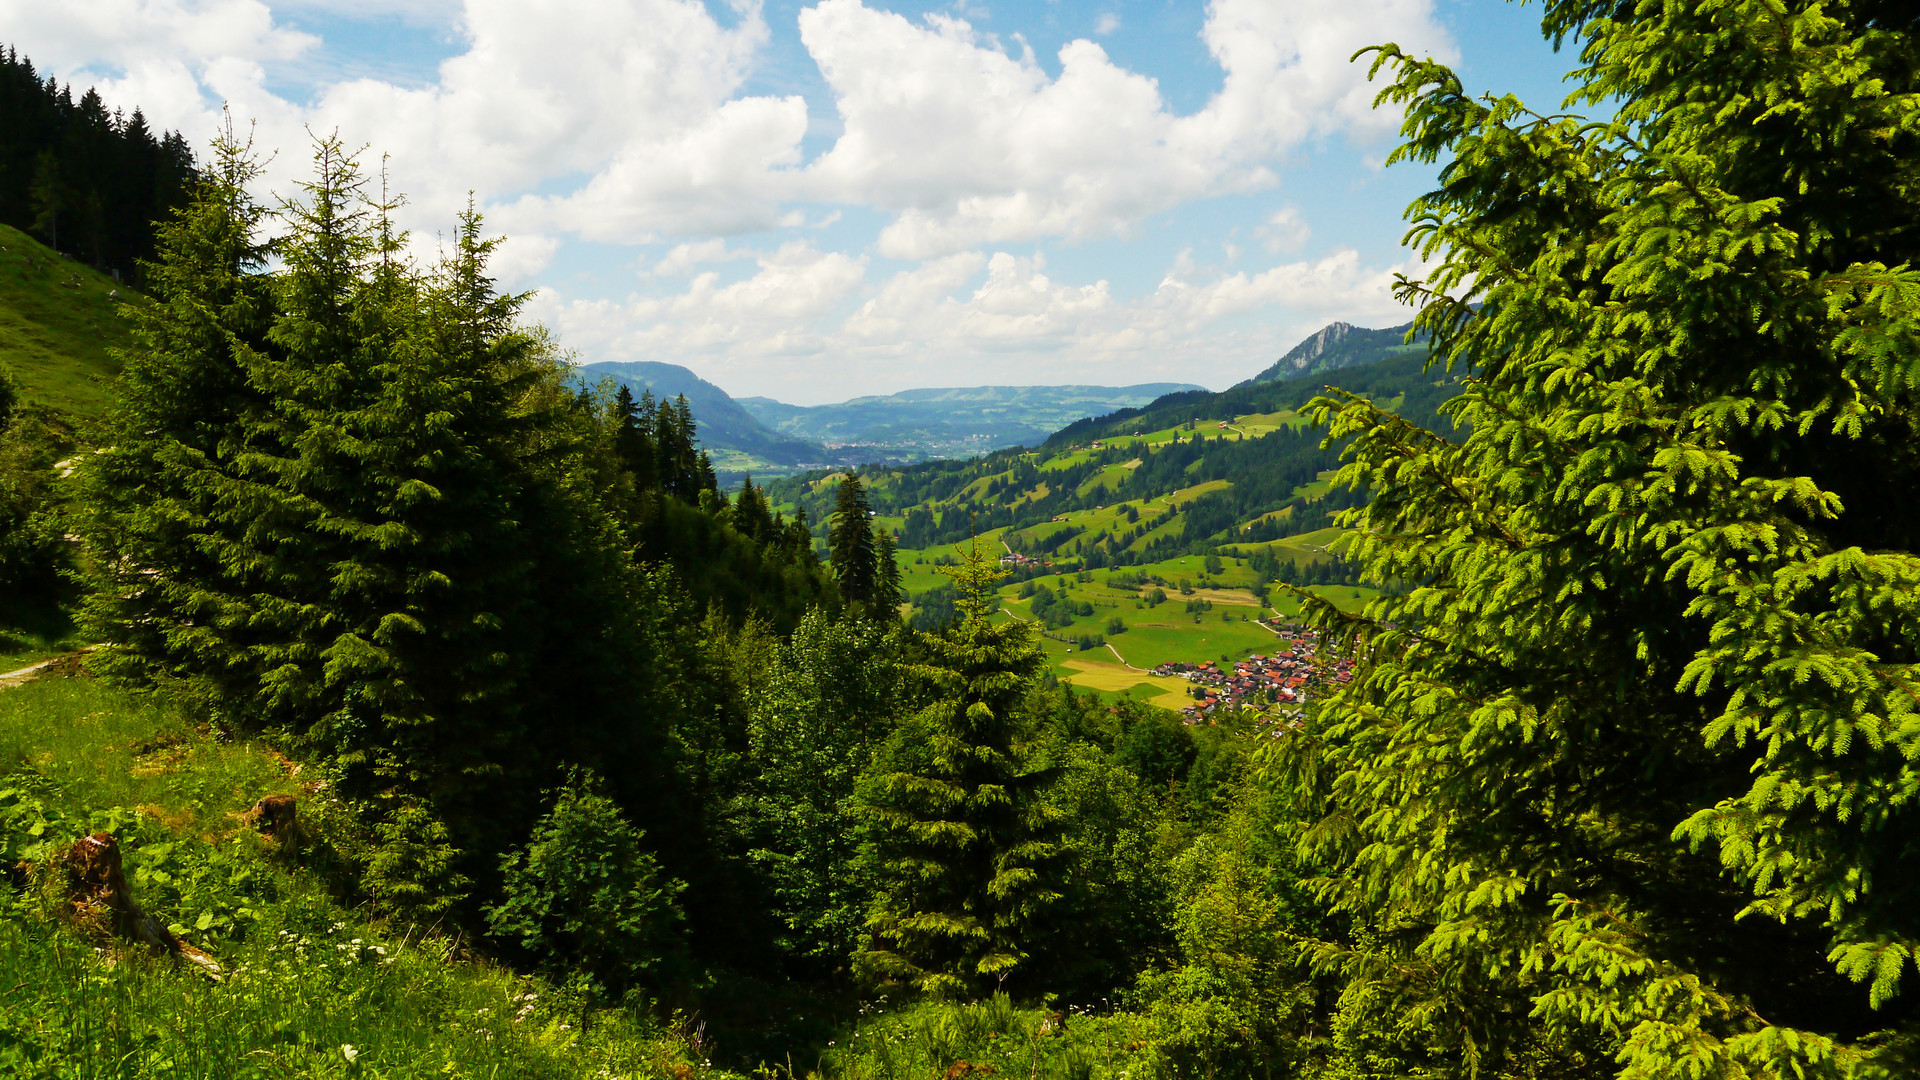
633, 437
850, 542
888, 594
176, 502
960, 842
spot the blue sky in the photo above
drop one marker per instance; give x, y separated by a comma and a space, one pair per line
817, 200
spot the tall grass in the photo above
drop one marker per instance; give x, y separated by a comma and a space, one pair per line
58, 325
939, 1039
325, 1003
91, 747
309, 989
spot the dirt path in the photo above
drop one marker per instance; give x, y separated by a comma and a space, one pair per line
1123, 660
26, 674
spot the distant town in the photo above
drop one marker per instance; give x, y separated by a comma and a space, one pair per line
1292, 676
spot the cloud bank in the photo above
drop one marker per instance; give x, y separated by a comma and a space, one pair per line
582, 122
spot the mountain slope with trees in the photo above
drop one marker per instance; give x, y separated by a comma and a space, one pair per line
83, 180
1393, 374
1184, 475
723, 423
1336, 346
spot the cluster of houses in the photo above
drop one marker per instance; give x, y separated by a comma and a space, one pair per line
1016, 560
1290, 677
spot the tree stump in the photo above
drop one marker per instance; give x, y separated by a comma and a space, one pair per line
93, 891
276, 816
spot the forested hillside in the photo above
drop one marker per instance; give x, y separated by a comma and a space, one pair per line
1337, 346
1398, 374
84, 180
1236, 461
723, 425
1558, 720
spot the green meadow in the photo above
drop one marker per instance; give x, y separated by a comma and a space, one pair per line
58, 323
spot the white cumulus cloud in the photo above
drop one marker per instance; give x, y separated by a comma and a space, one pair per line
967, 143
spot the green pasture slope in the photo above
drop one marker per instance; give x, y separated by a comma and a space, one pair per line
57, 325
1206, 616
1225, 626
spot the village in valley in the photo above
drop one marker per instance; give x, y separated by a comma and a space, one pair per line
1280, 683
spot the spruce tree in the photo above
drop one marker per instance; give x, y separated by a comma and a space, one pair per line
633, 437
850, 547
678, 451
750, 514
175, 501
49, 198
961, 845
343, 500
1626, 782
800, 540
705, 479
888, 594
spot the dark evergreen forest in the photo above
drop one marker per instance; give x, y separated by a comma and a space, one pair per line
88, 182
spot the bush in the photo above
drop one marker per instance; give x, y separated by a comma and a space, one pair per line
35, 557
584, 895
412, 870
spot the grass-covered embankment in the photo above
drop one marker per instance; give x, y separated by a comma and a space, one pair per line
310, 988
58, 326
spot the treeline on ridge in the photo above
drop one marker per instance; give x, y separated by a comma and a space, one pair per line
938, 505
88, 182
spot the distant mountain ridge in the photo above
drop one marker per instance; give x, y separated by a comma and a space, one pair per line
1372, 362
952, 421
1335, 346
723, 424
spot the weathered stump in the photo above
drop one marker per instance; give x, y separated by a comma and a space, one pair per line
276, 816
92, 887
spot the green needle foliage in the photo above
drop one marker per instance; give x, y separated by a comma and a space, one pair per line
850, 543
888, 592
348, 500
1627, 782
962, 846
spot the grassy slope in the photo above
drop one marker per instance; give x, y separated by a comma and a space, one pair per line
57, 323
311, 989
